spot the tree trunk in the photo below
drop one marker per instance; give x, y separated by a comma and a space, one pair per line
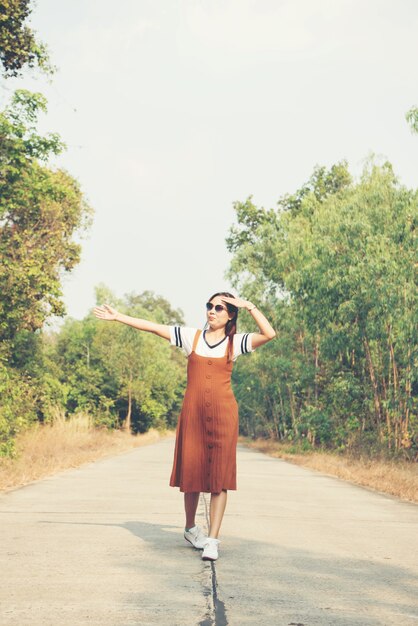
316, 353
406, 440
396, 398
377, 405
387, 412
282, 421
127, 424
292, 410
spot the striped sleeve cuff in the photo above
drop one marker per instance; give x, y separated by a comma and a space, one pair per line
245, 344
177, 337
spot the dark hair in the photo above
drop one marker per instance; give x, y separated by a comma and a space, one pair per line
231, 325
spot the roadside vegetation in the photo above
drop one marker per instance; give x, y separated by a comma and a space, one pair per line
45, 449
335, 266
119, 378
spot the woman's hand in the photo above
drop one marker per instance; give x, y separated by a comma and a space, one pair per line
238, 302
105, 312
267, 333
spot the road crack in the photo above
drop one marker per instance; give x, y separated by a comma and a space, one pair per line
216, 610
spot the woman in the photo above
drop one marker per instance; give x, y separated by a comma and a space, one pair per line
207, 430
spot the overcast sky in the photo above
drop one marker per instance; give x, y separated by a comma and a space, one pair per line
174, 109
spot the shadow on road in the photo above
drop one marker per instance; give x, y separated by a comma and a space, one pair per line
264, 583
168, 572
269, 582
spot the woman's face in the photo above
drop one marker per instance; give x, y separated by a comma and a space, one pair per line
217, 319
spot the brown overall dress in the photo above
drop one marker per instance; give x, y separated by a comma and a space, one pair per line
207, 430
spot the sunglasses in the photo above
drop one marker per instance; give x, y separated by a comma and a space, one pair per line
218, 307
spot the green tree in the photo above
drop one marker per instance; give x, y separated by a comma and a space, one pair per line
338, 263
17, 407
148, 373
18, 44
412, 119
116, 373
79, 369
41, 209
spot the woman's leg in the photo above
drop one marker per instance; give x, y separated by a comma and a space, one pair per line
191, 500
217, 509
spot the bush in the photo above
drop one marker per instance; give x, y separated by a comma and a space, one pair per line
316, 425
17, 407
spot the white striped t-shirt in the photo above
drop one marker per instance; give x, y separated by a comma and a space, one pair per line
183, 337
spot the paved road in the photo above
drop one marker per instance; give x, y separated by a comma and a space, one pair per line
102, 545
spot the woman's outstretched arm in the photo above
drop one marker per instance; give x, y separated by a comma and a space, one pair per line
109, 314
267, 332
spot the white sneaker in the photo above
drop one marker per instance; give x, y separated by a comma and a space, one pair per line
210, 550
196, 537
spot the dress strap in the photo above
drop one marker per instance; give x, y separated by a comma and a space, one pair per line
196, 339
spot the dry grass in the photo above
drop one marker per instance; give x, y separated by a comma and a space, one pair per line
45, 450
395, 478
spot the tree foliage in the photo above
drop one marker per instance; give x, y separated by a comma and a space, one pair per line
18, 44
17, 407
337, 263
118, 374
41, 209
412, 119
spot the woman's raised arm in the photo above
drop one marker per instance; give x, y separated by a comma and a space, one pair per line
267, 332
109, 314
